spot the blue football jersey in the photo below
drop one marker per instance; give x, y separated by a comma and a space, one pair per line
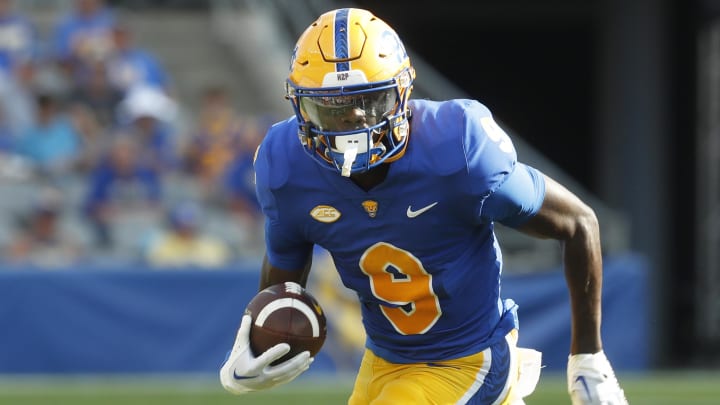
418, 249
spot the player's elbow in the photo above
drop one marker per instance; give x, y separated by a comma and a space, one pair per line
585, 224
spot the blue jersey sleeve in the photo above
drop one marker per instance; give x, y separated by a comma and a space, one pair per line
518, 199
286, 245
489, 151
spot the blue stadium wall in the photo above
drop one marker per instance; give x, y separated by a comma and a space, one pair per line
143, 321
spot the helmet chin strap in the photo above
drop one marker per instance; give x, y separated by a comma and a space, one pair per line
348, 159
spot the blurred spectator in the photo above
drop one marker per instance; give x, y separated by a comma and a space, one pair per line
215, 141
93, 108
83, 36
95, 92
40, 239
150, 116
238, 180
184, 242
17, 102
130, 66
238, 195
122, 182
18, 39
147, 101
53, 144
94, 137
7, 137
13, 166
239, 188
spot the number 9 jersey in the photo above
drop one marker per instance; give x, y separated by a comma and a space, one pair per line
419, 248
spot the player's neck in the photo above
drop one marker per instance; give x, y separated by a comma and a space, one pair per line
371, 178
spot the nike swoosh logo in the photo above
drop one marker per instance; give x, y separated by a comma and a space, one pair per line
243, 377
413, 214
584, 383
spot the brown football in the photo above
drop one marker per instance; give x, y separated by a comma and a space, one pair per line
286, 313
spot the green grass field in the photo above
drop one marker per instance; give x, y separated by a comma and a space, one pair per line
657, 389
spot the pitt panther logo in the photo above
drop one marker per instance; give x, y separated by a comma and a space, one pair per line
390, 46
325, 214
371, 207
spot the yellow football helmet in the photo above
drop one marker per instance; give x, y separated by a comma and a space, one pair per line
349, 83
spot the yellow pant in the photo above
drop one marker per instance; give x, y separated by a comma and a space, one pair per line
475, 379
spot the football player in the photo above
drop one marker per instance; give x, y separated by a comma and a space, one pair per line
404, 194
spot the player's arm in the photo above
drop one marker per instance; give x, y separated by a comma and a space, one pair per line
564, 217
539, 206
270, 274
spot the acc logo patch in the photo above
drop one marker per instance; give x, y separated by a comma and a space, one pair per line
325, 214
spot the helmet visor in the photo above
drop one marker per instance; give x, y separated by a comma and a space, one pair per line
348, 112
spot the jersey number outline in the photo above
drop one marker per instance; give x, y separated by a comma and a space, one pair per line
398, 277
497, 134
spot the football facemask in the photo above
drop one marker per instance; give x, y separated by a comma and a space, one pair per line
351, 127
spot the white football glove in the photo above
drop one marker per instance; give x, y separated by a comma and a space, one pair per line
242, 372
591, 381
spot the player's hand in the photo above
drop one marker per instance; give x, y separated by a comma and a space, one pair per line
243, 372
591, 381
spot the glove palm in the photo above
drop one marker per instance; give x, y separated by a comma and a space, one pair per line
243, 372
